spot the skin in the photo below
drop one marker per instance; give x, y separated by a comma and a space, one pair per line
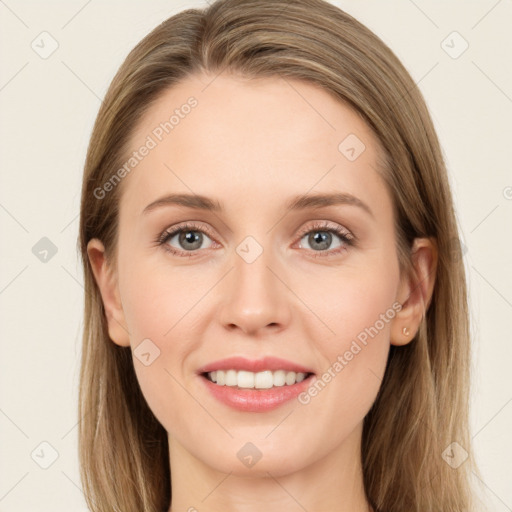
253, 145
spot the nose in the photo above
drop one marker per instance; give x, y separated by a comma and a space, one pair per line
255, 298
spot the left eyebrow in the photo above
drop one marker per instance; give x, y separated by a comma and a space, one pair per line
324, 200
300, 202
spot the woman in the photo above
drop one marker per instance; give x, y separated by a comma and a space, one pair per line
276, 310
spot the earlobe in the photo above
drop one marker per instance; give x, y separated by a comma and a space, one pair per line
415, 291
108, 287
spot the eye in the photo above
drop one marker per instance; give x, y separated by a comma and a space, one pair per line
188, 237
319, 237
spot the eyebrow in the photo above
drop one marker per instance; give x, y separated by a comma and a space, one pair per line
301, 202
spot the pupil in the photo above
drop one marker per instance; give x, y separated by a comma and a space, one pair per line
191, 237
323, 238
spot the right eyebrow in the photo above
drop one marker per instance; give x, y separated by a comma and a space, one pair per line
189, 200
301, 202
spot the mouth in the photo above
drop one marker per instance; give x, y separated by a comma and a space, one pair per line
255, 385
267, 379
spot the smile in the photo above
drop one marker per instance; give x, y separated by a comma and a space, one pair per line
250, 380
255, 385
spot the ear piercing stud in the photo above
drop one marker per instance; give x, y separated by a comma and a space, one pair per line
406, 331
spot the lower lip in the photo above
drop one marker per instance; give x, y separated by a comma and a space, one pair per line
256, 400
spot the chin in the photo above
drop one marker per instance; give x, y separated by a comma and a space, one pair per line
257, 459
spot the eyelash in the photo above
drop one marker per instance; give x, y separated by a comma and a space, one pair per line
319, 226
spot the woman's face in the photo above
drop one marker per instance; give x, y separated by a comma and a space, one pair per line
264, 275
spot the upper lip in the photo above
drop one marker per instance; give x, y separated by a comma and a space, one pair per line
254, 365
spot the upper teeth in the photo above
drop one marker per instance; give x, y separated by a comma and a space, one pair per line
260, 380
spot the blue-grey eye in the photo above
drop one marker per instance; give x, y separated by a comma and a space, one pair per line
320, 240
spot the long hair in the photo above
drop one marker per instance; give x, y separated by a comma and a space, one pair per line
422, 405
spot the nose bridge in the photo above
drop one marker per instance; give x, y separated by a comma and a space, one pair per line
255, 297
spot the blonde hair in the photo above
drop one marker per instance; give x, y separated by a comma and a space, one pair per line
422, 405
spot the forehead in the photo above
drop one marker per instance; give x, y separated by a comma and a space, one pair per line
228, 135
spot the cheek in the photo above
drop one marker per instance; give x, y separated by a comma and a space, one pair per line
157, 299
353, 300
158, 307
358, 308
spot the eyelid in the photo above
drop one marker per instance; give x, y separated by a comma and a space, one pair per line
348, 239
344, 234
184, 226
326, 226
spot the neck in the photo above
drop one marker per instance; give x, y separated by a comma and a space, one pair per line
334, 483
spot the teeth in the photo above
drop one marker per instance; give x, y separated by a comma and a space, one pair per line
263, 380
279, 378
260, 380
243, 379
231, 378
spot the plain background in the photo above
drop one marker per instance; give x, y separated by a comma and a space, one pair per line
48, 106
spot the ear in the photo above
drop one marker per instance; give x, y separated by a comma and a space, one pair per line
415, 291
108, 286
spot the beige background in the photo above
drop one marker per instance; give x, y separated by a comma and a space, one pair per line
48, 106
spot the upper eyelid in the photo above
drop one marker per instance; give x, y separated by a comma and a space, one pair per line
317, 225
190, 225
327, 226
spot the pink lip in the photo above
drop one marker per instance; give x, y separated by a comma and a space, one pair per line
255, 400
256, 365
